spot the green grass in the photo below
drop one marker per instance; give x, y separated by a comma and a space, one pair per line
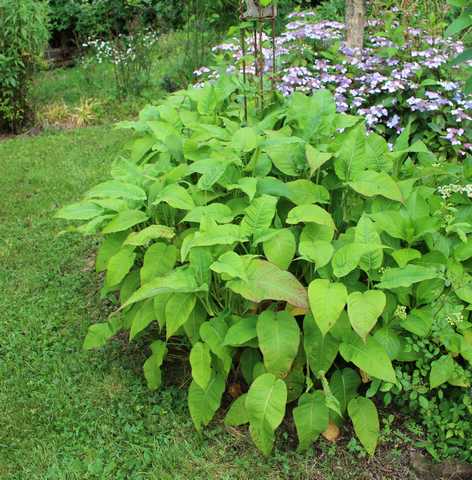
71, 86
70, 414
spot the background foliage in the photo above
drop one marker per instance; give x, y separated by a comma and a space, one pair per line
23, 39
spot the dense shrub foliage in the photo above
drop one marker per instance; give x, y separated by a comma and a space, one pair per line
296, 255
462, 25
85, 19
23, 37
403, 76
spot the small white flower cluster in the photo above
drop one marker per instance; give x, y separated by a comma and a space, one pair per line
400, 312
122, 49
455, 318
447, 190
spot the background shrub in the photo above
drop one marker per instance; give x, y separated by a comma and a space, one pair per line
23, 38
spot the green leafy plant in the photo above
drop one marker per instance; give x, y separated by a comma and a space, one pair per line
293, 254
442, 412
23, 38
462, 24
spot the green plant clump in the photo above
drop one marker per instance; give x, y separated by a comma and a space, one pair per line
293, 253
23, 39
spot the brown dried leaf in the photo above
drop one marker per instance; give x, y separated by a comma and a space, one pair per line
332, 432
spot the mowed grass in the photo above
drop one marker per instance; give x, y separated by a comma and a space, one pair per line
70, 414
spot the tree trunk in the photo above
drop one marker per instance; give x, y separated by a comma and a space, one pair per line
355, 23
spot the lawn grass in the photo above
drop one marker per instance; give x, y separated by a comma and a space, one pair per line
70, 414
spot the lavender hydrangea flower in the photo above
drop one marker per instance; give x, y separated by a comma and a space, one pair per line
365, 82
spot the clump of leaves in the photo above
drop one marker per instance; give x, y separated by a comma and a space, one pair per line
294, 251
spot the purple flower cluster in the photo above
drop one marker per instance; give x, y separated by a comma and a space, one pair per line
386, 84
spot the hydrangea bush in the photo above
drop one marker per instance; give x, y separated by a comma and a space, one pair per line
402, 77
293, 255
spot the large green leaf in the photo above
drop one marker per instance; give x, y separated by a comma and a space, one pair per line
232, 265
247, 361
116, 189
442, 370
319, 252
394, 222
248, 185
203, 403
321, 350
366, 233
350, 158
279, 337
305, 192
265, 405
369, 356
390, 339
244, 139
200, 361
119, 265
287, 154
180, 281
405, 255
176, 196
213, 333
259, 215
237, 413
177, 311
365, 419
281, 249
211, 170
460, 23
344, 384
200, 259
364, 309
347, 258
310, 214
160, 301
109, 247
192, 326
80, 211
216, 235
217, 211
315, 244
97, 335
419, 321
407, 276
311, 418
273, 186
149, 233
159, 260
463, 251
129, 285
327, 301
125, 220
152, 366
315, 158
241, 332
313, 116
376, 150
144, 315
370, 183
265, 281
